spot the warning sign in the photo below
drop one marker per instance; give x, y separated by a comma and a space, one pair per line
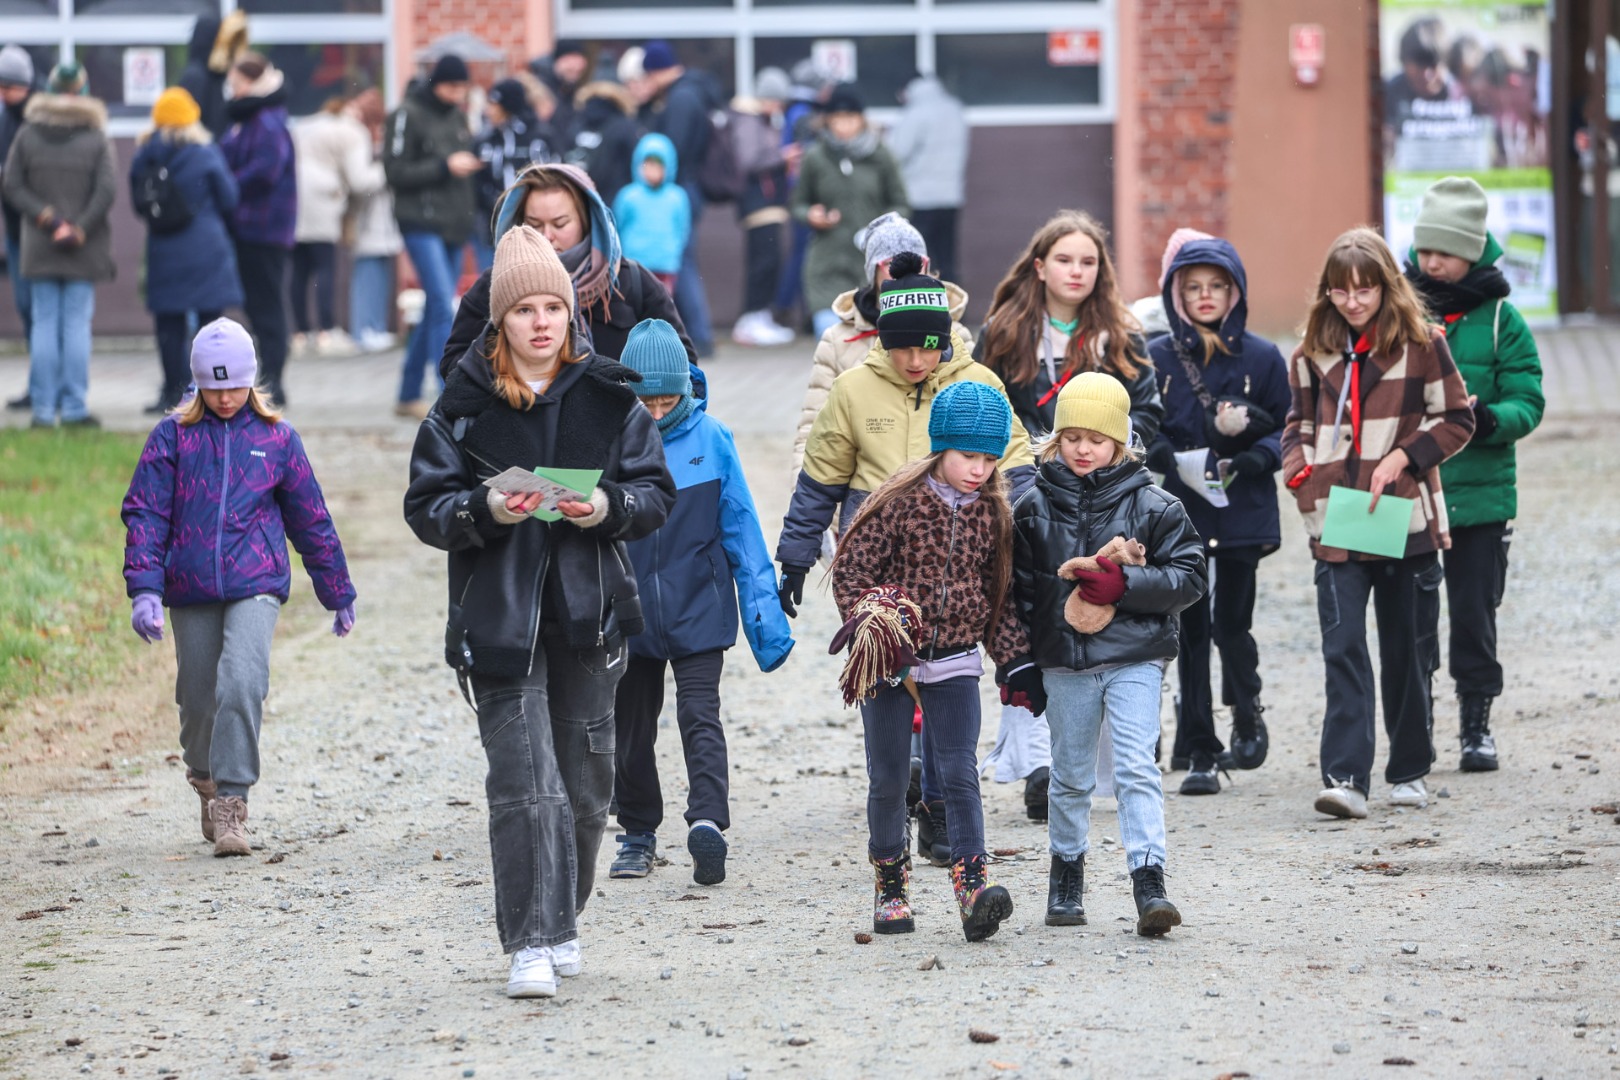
1074, 48
1307, 45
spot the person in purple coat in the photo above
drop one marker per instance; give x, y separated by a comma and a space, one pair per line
259, 150
221, 486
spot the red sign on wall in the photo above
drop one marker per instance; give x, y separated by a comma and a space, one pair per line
1307, 45
1074, 48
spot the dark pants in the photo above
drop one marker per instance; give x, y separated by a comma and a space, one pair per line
1476, 576
1222, 617
790, 283
174, 350
263, 268
314, 263
951, 726
762, 266
938, 228
703, 740
549, 740
1406, 602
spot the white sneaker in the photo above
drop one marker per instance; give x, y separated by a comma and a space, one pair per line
532, 974
1341, 801
335, 343
375, 340
1412, 793
746, 331
771, 332
566, 958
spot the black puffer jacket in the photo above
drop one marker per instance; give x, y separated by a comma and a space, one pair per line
506, 580
1064, 516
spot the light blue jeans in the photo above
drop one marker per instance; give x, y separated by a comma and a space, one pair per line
1077, 704
438, 265
59, 348
370, 295
19, 285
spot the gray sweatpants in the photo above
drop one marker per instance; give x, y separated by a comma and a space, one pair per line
223, 655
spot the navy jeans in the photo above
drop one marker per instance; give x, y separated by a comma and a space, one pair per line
437, 264
951, 727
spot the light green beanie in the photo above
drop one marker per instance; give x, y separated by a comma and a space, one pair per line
1452, 220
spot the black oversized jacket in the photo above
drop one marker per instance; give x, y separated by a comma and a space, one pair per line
1147, 409
508, 580
1064, 516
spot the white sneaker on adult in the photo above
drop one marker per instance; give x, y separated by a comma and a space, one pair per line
1412, 793
771, 332
532, 974
375, 340
1342, 801
746, 330
566, 959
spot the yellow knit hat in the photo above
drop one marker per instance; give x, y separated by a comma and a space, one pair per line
176, 107
525, 264
1098, 402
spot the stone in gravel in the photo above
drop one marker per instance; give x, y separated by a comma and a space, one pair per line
666, 974
1341, 1048
931, 964
354, 1003
285, 905
863, 938
1356, 969
250, 1064
975, 1035
444, 1036
1409, 948
1212, 992
725, 939
92, 842
1443, 793
739, 1074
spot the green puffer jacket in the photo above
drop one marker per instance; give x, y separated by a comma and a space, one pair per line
1497, 356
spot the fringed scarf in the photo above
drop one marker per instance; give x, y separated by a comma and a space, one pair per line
878, 633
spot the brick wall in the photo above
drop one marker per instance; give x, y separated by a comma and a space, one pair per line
499, 22
1184, 93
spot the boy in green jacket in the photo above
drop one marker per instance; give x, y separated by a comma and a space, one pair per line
1453, 266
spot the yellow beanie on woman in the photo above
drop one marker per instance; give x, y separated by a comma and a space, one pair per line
175, 107
1098, 402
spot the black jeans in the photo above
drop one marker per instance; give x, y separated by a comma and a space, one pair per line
1476, 577
263, 268
1222, 617
549, 740
1406, 602
951, 725
174, 350
314, 263
697, 712
762, 266
938, 228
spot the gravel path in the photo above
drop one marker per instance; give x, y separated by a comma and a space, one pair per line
1473, 938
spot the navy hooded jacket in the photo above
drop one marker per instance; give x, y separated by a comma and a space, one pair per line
1254, 371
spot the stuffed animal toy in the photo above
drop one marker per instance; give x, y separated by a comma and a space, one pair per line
1089, 618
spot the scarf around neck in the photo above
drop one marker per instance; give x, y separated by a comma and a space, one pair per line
1452, 299
672, 419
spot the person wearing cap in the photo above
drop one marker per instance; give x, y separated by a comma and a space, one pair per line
763, 159
563, 73
191, 267
216, 44
213, 550
16, 87
1092, 493
539, 608
704, 563
929, 140
1452, 265
431, 170
62, 177
514, 139
846, 179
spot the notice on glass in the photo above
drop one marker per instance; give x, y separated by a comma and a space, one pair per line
552, 485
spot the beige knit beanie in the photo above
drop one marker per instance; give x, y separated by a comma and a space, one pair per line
1097, 402
525, 264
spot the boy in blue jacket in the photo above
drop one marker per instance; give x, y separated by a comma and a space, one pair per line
653, 214
691, 613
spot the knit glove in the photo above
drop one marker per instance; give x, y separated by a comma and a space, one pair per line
1023, 686
497, 508
1104, 585
790, 593
343, 620
146, 616
1484, 420
1250, 463
1162, 459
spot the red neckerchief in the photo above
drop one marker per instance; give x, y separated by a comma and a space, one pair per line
1449, 319
862, 335
1057, 386
1361, 346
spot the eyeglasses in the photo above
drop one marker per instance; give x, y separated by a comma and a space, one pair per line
1214, 289
1360, 296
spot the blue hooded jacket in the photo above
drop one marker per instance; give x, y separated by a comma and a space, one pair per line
711, 535
1254, 371
654, 223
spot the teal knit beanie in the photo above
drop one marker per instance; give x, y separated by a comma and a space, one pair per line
1452, 219
970, 417
654, 349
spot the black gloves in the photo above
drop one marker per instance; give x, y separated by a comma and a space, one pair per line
1484, 420
790, 593
1161, 458
1251, 463
1024, 687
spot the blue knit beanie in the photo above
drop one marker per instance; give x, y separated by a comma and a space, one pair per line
970, 417
655, 350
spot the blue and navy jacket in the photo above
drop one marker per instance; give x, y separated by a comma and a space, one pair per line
1255, 371
709, 557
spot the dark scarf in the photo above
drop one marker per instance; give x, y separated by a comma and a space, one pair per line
242, 109
866, 303
1450, 300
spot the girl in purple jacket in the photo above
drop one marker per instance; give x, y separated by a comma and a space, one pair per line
221, 486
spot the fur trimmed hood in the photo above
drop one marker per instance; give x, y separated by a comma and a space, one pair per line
610, 92
64, 111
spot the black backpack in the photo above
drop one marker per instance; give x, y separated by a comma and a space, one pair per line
158, 200
720, 175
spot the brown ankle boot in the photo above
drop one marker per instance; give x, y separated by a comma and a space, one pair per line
205, 792
230, 825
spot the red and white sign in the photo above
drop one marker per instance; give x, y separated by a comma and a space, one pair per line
1074, 48
1307, 51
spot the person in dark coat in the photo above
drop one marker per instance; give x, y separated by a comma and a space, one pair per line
604, 136
1225, 394
615, 293
514, 140
215, 45
193, 268
563, 73
259, 150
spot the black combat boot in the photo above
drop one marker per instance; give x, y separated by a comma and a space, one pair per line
1035, 788
1478, 744
1155, 914
1065, 885
1249, 739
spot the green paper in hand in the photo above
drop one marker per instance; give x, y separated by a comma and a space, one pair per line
580, 481
1350, 526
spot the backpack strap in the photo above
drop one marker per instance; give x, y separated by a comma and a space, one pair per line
1496, 330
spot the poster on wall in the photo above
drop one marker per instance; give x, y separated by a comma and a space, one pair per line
1467, 92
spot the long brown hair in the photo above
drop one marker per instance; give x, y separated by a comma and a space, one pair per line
1018, 310
509, 385
915, 474
1361, 255
193, 409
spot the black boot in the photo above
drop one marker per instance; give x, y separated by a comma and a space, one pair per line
933, 837
1065, 885
1155, 915
1035, 787
1201, 777
1249, 738
1478, 745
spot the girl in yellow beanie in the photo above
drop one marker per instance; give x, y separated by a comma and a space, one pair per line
1090, 490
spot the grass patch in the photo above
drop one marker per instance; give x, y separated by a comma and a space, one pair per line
40, 965
63, 615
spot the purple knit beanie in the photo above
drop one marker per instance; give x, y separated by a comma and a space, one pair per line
222, 357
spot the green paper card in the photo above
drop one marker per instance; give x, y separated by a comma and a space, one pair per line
579, 482
1350, 526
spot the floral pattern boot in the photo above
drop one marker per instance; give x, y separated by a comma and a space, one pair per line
891, 903
983, 903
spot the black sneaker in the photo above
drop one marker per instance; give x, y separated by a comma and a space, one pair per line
1478, 744
1036, 785
20, 404
636, 854
936, 848
85, 422
707, 846
1201, 778
1155, 914
1250, 740
1065, 887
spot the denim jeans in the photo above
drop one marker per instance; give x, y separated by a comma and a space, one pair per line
690, 299
951, 726
59, 348
549, 740
437, 266
370, 295
19, 285
1077, 703
222, 654
483, 251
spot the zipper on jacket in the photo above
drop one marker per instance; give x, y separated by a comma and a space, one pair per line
601, 592
1085, 547
918, 406
945, 578
539, 617
224, 501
